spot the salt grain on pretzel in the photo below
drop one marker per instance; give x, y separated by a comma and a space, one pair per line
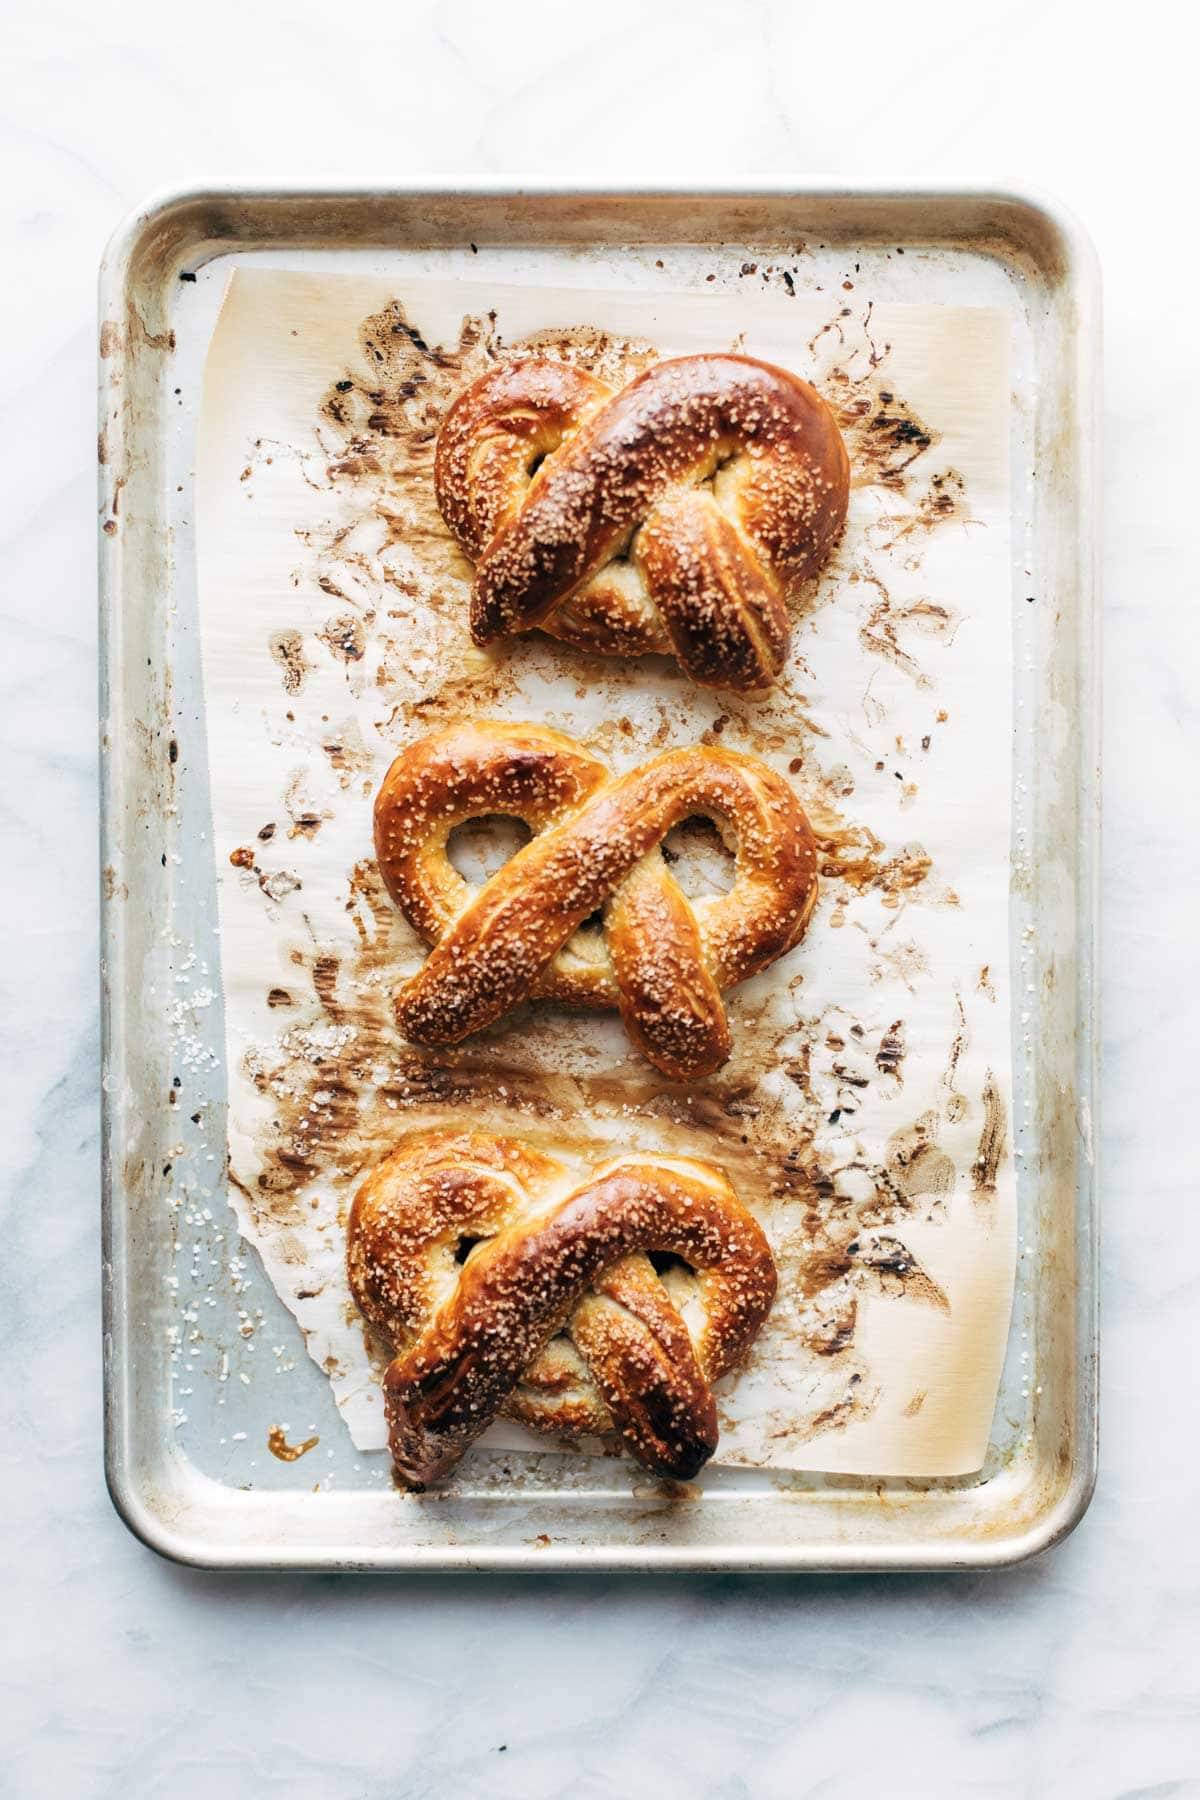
682, 514
502, 1284
661, 958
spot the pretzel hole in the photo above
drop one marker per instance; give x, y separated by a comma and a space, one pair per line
665, 1262
478, 847
464, 1247
699, 858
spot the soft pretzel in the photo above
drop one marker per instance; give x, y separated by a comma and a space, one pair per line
502, 1283
661, 958
681, 514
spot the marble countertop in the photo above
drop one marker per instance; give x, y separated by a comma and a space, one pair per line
1076, 1675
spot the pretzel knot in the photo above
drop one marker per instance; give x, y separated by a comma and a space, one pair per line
503, 1284
681, 514
660, 957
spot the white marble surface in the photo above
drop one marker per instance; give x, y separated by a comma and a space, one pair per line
1078, 1675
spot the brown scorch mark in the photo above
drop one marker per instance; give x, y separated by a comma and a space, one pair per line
883, 435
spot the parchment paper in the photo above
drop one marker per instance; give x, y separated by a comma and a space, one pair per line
864, 1113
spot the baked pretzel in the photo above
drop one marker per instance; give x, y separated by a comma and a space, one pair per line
659, 957
503, 1284
681, 514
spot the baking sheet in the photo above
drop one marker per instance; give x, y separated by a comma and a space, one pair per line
864, 1113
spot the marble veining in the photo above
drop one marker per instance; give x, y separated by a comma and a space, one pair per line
1077, 1675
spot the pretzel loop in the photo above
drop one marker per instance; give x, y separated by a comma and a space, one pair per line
661, 958
555, 1315
682, 514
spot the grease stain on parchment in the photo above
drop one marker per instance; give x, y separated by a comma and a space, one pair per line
340, 1081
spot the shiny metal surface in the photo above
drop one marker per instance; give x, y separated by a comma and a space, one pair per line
189, 1407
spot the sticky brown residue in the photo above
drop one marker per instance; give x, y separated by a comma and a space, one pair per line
324, 977
854, 857
891, 448
942, 503
287, 649
841, 1253
242, 857
918, 1166
889, 1057
305, 818
958, 1045
894, 453
884, 437
914, 1406
278, 1445
897, 1271
884, 624
344, 637
833, 1418
348, 754
992, 1141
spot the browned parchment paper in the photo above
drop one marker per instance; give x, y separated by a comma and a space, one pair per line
864, 1112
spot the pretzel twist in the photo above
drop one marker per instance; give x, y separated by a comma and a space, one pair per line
681, 514
502, 1284
661, 958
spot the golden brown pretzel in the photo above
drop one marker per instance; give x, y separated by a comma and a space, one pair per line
502, 1283
661, 958
680, 514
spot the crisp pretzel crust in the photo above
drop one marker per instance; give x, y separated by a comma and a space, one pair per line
503, 1284
682, 514
661, 958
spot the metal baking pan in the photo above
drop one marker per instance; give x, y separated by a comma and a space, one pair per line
185, 1433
